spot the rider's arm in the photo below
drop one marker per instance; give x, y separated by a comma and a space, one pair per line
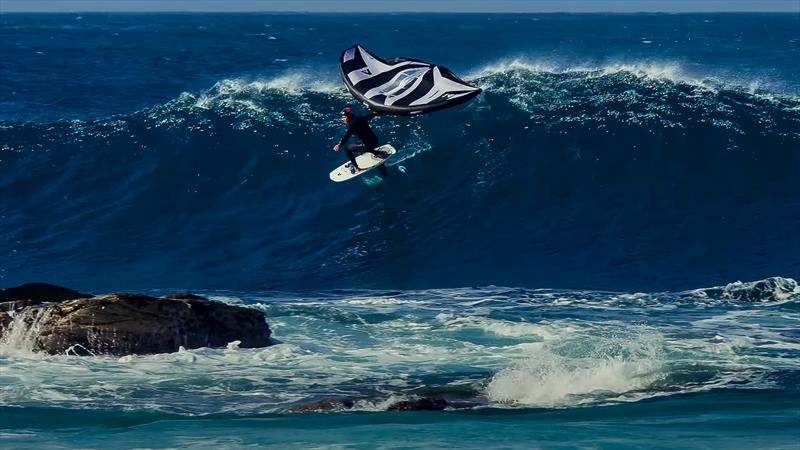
347, 135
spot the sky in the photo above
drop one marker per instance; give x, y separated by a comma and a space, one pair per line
401, 5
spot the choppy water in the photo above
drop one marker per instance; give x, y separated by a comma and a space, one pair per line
523, 361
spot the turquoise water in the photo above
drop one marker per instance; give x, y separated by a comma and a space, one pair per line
723, 419
707, 368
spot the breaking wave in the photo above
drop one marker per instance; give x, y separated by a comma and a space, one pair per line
566, 177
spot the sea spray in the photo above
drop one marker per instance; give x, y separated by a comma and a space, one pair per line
20, 337
573, 371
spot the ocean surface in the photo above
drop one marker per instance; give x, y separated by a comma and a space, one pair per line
600, 251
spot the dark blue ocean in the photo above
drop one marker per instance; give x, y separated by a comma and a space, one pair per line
599, 251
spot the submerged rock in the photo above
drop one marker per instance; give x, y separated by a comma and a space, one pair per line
416, 404
122, 324
324, 405
422, 404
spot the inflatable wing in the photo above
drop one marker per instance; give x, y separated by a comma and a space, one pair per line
401, 86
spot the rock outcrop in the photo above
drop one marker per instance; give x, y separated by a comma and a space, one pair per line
58, 320
38, 293
16, 298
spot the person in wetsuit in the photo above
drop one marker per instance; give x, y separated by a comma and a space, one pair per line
358, 125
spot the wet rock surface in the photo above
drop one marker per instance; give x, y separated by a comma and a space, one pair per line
60, 320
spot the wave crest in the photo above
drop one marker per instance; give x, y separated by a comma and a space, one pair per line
770, 290
645, 71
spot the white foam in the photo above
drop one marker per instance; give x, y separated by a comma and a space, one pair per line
549, 379
671, 71
383, 301
251, 97
783, 288
291, 83
773, 290
505, 328
739, 331
651, 69
21, 335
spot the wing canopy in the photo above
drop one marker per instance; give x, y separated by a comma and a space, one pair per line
401, 86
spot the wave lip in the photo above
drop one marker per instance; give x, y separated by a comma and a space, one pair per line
770, 290
647, 71
292, 82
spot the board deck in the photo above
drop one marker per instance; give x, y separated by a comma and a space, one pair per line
366, 161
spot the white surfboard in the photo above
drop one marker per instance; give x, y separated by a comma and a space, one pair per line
366, 161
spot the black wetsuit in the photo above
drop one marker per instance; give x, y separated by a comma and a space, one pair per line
359, 125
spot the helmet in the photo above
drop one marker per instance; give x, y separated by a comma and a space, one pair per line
347, 111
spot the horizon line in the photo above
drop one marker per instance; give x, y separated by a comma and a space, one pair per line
262, 11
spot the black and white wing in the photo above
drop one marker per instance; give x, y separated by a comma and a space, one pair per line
401, 86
